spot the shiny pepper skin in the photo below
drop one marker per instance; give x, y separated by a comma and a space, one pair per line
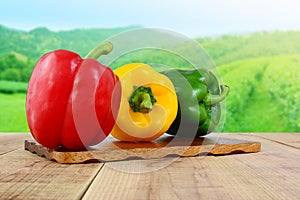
71, 102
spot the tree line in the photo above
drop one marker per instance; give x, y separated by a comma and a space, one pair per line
14, 69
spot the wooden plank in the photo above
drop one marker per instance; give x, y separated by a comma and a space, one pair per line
12, 141
26, 176
290, 139
271, 174
114, 150
276, 169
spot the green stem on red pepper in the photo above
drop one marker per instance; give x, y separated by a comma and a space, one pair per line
102, 49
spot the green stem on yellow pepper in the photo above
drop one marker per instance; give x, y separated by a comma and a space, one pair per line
141, 99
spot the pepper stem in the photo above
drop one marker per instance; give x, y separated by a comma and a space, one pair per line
141, 99
102, 49
212, 99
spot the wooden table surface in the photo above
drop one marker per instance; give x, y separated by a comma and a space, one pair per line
273, 173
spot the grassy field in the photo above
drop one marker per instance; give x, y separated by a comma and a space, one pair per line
11, 87
13, 117
264, 96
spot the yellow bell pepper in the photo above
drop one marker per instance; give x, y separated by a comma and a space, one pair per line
148, 103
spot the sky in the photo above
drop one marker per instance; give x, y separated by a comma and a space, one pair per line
192, 18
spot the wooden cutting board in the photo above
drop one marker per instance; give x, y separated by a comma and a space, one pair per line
114, 150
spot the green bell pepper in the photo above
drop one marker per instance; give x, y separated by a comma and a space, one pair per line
199, 95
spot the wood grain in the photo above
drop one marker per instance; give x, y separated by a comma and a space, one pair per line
289, 139
271, 174
113, 150
8, 141
26, 176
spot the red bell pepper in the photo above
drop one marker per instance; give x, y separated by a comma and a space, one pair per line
72, 102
